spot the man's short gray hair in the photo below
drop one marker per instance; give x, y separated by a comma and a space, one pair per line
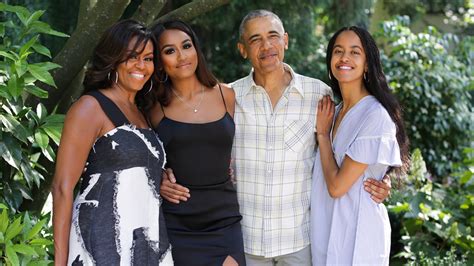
256, 14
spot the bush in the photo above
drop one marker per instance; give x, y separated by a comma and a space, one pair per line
434, 222
26, 132
24, 240
433, 83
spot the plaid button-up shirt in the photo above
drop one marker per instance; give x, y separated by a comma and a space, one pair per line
274, 151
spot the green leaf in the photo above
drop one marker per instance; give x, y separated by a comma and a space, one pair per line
3, 206
4, 221
24, 249
13, 87
13, 126
48, 65
49, 153
26, 47
41, 74
34, 17
36, 229
41, 139
41, 49
9, 55
14, 9
12, 257
11, 151
21, 66
38, 92
40, 263
30, 174
14, 229
40, 242
54, 133
41, 111
42, 27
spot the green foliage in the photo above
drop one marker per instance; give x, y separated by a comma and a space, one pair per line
434, 86
435, 221
28, 133
218, 32
24, 240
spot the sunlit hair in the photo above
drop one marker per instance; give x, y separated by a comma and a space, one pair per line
112, 50
203, 73
259, 13
376, 84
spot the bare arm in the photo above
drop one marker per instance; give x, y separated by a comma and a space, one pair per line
81, 127
338, 180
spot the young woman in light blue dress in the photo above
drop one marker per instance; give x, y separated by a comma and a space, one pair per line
360, 138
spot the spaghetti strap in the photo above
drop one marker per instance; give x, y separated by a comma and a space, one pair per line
110, 108
220, 89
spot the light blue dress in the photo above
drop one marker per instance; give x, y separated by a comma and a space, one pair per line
353, 229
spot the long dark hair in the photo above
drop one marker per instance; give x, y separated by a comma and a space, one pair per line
377, 86
112, 50
203, 73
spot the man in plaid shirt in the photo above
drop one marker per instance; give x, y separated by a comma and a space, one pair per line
274, 147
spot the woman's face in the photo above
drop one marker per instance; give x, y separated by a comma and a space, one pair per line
348, 61
135, 72
178, 54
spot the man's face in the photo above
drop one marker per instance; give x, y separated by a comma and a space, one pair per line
263, 43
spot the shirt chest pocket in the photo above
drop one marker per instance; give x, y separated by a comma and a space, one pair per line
298, 135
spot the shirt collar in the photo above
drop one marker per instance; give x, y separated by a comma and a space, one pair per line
295, 83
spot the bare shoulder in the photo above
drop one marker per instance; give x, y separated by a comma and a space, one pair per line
155, 114
86, 110
228, 92
229, 96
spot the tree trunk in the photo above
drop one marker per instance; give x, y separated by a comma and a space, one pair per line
80, 45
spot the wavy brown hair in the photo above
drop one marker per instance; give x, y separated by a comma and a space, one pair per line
112, 50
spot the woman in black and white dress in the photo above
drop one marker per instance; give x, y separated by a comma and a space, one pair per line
116, 218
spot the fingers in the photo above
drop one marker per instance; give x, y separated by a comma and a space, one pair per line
170, 174
173, 192
379, 191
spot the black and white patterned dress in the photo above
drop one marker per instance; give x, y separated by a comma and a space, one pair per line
117, 217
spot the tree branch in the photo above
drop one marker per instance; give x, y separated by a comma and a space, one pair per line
192, 10
148, 10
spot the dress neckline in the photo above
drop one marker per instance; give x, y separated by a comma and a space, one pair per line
198, 124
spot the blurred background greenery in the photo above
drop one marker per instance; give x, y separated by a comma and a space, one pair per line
427, 51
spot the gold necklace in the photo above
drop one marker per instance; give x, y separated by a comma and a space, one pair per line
195, 109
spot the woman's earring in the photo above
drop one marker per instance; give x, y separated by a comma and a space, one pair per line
116, 77
151, 87
329, 74
365, 77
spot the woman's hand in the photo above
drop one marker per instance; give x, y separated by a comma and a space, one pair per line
324, 116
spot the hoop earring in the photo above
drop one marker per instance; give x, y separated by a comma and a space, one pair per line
151, 87
116, 77
329, 74
108, 76
164, 80
365, 77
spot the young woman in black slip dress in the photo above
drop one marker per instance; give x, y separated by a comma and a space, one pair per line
193, 115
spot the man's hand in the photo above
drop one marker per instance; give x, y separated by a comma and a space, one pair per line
378, 190
171, 191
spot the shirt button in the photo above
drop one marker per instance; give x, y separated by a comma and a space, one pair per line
269, 171
270, 147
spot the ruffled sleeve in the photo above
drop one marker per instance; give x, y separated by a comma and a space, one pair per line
376, 142
373, 150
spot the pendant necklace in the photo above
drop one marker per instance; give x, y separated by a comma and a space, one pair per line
195, 109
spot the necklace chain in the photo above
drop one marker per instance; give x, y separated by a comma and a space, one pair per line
195, 109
